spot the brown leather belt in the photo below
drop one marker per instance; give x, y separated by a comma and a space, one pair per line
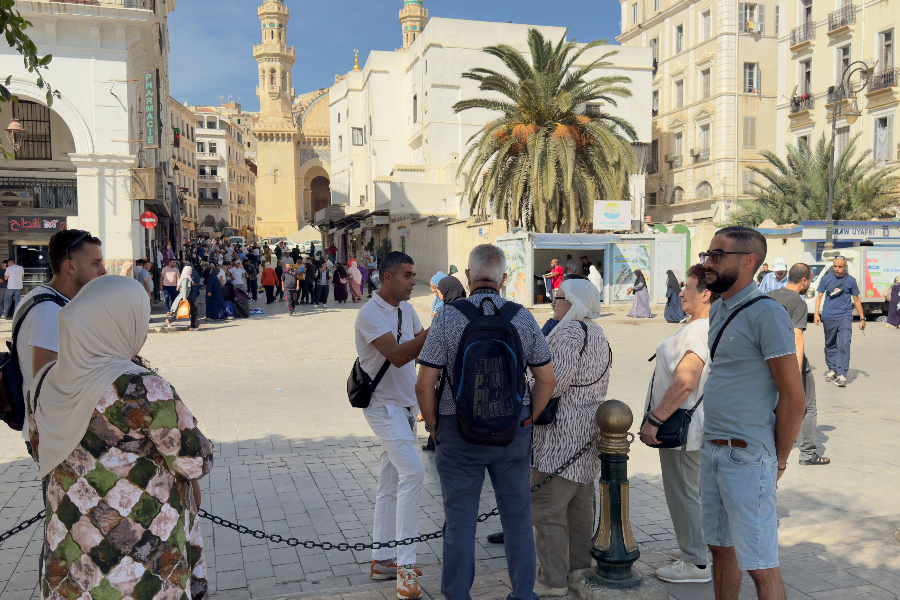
733, 442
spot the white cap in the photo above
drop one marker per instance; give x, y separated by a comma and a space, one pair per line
780, 264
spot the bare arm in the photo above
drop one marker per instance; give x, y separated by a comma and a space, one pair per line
427, 379
399, 354
196, 485
816, 318
687, 378
40, 357
801, 348
859, 309
791, 405
544, 382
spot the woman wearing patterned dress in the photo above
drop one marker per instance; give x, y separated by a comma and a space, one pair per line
562, 511
119, 455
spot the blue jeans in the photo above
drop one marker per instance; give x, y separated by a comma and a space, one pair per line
461, 467
11, 296
737, 491
838, 332
171, 292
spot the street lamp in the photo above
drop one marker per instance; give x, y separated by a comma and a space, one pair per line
16, 134
851, 114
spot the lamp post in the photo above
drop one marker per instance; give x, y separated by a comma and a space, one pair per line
851, 115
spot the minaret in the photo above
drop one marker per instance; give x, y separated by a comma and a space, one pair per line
275, 59
413, 19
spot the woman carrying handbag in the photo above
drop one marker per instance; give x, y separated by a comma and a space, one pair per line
185, 295
675, 414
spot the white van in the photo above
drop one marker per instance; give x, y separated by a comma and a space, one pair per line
236, 239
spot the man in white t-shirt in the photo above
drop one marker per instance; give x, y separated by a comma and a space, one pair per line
392, 417
14, 275
75, 259
237, 276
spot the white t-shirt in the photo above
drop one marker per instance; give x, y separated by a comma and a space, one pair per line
288, 261
40, 328
693, 337
15, 273
571, 266
374, 319
238, 274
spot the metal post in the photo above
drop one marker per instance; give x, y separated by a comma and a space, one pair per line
614, 547
835, 113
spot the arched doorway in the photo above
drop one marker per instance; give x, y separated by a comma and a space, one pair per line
321, 193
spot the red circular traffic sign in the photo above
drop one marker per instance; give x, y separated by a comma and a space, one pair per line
149, 220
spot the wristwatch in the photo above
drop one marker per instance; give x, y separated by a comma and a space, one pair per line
430, 428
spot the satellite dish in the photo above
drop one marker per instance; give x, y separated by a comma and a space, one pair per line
794, 93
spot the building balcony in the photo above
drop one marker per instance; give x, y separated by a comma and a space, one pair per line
799, 104
209, 178
652, 166
883, 80
143, 4
748, 27
833, 92
700, 154
841, 19
203, 201
676, 161
803, 35
209, 156
273, 48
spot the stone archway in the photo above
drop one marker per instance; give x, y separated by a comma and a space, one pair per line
321, 193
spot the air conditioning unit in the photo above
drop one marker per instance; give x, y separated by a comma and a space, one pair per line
695, 151
668, 158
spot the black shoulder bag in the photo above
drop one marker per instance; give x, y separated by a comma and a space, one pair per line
548, 417
673, 433
360, 386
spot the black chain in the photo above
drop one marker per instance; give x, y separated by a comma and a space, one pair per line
342, 546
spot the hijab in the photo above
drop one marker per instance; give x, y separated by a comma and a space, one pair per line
452, 270
672, 282
595, 277
584, 298
639, 278
339, 271
451, 289
100, 331
437, 278
897, 280
186, 274
127, 269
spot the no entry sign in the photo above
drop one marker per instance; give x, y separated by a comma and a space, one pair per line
149, 220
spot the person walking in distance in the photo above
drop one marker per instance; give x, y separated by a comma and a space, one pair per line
791, 298
776, 280
841, 294
753, 407
289, 287
13, 277
76, 258
388, 329
144, 277
279, 271
471, 441
170, 276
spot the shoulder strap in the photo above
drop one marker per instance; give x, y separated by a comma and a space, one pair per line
387, 363
748, 304
469, 310
37, 391
584, 344
509, 310
35, 300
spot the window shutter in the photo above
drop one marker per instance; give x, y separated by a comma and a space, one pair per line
758, 80
762, 18
740, 18
776, 19
753, 132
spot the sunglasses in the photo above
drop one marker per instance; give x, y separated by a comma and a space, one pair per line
77, 241
716, 255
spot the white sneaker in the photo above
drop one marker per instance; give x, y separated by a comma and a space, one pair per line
830, 375
840, 381
682, 572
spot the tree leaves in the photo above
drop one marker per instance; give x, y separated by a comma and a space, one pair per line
14, 26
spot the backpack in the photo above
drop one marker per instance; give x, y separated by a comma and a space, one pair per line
488, 375
12, 399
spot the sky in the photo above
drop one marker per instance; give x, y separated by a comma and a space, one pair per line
212, 40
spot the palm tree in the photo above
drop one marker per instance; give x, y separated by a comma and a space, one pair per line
541, 164
796, 189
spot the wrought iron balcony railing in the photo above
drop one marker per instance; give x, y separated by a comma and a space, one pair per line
842, 17
886, 79
804, 33
677, 161
800, 103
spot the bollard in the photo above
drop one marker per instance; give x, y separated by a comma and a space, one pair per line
614, 547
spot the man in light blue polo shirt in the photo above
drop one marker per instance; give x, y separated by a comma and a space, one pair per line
754, 404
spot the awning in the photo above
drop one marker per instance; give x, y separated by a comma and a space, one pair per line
564, 241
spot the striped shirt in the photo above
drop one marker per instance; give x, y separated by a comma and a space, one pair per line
580, 395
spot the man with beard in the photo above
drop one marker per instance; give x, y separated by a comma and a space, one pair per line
754, 404
75, 259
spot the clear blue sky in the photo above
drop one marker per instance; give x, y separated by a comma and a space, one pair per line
212, 40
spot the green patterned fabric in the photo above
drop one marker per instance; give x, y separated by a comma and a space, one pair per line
121, 515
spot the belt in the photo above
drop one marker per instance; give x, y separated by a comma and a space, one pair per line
733, 442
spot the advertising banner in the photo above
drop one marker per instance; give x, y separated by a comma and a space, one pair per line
627, 258
18, 224
612, 215
882, 267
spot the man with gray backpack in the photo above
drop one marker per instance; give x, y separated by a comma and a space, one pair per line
481, 417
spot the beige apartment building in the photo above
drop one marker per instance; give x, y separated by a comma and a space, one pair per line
819, 40
714, 96
185, 168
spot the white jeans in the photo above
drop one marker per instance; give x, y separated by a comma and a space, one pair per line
399, 482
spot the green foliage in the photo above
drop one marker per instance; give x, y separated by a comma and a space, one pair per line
540, 164
796, 189
222, 225
385, 247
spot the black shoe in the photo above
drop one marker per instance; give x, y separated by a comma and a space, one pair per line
818, 460
429, 447
496, 538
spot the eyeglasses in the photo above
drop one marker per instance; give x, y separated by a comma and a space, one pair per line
77, 241
716, 255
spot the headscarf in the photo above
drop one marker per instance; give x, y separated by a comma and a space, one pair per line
339, 271
437, 278
127, 269
100, 331
186, 274
352, 264
639, 278
452, 270
451, 289
897, 280
584, 298
267, 266
595, 277
672, 281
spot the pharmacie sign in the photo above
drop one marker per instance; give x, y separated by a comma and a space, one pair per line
151, 108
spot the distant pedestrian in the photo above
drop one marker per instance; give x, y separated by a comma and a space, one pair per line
186, 292
170, 277
142, 274
308, 283
289, 287
340, 279
586, 266
355, 280
791, 297
640, 307
594, 277
372, 268
269, 281
454, 272
14, 276
753, 390
892, 295
841, 294
554, 278
776, 280
762, 273
251, 272
323, 276
389, 334
436, 302
571, 265
215, 299
279, 271
236, 275
461, 463
673, 312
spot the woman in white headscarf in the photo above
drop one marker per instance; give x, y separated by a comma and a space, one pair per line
185, 292
597, 279
120, 456
562, 511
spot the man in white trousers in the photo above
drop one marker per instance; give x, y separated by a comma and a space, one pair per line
389, 335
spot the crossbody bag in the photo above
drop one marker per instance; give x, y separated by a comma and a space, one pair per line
673, 433
360, 386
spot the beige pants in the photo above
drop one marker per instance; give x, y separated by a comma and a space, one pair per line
562, 513
681, 482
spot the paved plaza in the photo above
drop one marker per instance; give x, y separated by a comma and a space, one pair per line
293, 458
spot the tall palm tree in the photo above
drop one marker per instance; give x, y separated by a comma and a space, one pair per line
796, 189
540, 164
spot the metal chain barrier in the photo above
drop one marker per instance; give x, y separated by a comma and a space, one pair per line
342, 546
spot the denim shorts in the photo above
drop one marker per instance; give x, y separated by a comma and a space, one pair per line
737, 488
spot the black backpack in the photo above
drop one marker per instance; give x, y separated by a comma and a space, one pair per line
488, 374
12, 399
